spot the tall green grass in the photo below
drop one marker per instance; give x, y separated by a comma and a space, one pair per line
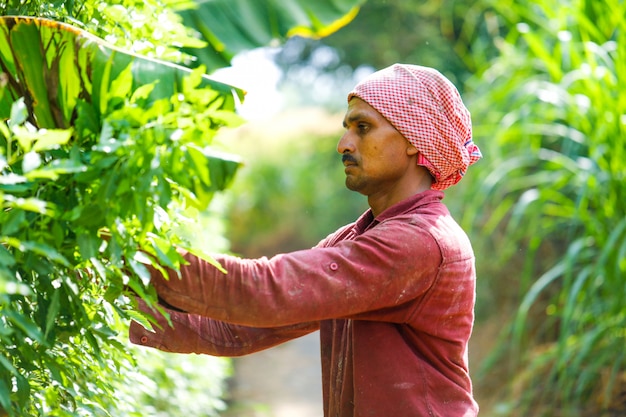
550, 115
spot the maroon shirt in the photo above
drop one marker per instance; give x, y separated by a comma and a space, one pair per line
393, 298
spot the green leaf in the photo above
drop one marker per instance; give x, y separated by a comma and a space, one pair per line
137, 265
53, 311
12, 221
122, 84
23, 41
199, 162
5, 396
25, 324
232, 26
29, 204
6, 364
51, 139
88, 245
140, 318
142, 93
112, 292
100, 269
166, 253
25, 137
222, 168
36, 247
205, 256
93, 342
55, 169
87, 121
6, 258
23, 389
90, 216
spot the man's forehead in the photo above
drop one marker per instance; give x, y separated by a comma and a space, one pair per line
359, 110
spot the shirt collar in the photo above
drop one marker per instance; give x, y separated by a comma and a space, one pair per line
367, 220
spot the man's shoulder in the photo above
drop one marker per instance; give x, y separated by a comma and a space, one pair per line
432, 221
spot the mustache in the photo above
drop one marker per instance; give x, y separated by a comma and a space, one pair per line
346, 157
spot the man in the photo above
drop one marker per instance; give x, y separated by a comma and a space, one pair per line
392, 294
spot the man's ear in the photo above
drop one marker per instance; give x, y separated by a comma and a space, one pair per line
411, 150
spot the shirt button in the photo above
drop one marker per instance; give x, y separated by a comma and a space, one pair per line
144, 339
333, 266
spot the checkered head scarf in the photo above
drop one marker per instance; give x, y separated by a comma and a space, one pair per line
426, 108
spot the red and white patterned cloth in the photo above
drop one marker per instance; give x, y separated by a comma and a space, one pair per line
427, 109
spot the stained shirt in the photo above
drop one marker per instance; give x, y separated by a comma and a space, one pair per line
392, 296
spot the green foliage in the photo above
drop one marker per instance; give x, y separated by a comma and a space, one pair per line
424, 33
549, 115
122, 146
168, 384
232, 26
194, 32
151, 28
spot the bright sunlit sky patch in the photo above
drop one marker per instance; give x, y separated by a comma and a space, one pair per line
255, 72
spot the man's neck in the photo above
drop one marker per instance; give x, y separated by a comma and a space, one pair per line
381, 202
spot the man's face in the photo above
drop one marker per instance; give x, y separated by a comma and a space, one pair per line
375, 154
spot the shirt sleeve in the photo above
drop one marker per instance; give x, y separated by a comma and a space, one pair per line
191, 333
389, 265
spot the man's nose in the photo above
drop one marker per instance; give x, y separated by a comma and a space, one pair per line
346, 144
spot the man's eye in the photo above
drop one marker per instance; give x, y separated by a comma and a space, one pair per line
362, 127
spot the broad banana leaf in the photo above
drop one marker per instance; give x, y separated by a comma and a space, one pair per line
233, 26
54, 65
67, 78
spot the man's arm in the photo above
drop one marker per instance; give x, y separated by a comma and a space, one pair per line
192, 333
384, 268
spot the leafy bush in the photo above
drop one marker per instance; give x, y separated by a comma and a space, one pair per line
136, 155
168, 384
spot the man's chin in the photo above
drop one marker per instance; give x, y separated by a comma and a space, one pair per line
351, 185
